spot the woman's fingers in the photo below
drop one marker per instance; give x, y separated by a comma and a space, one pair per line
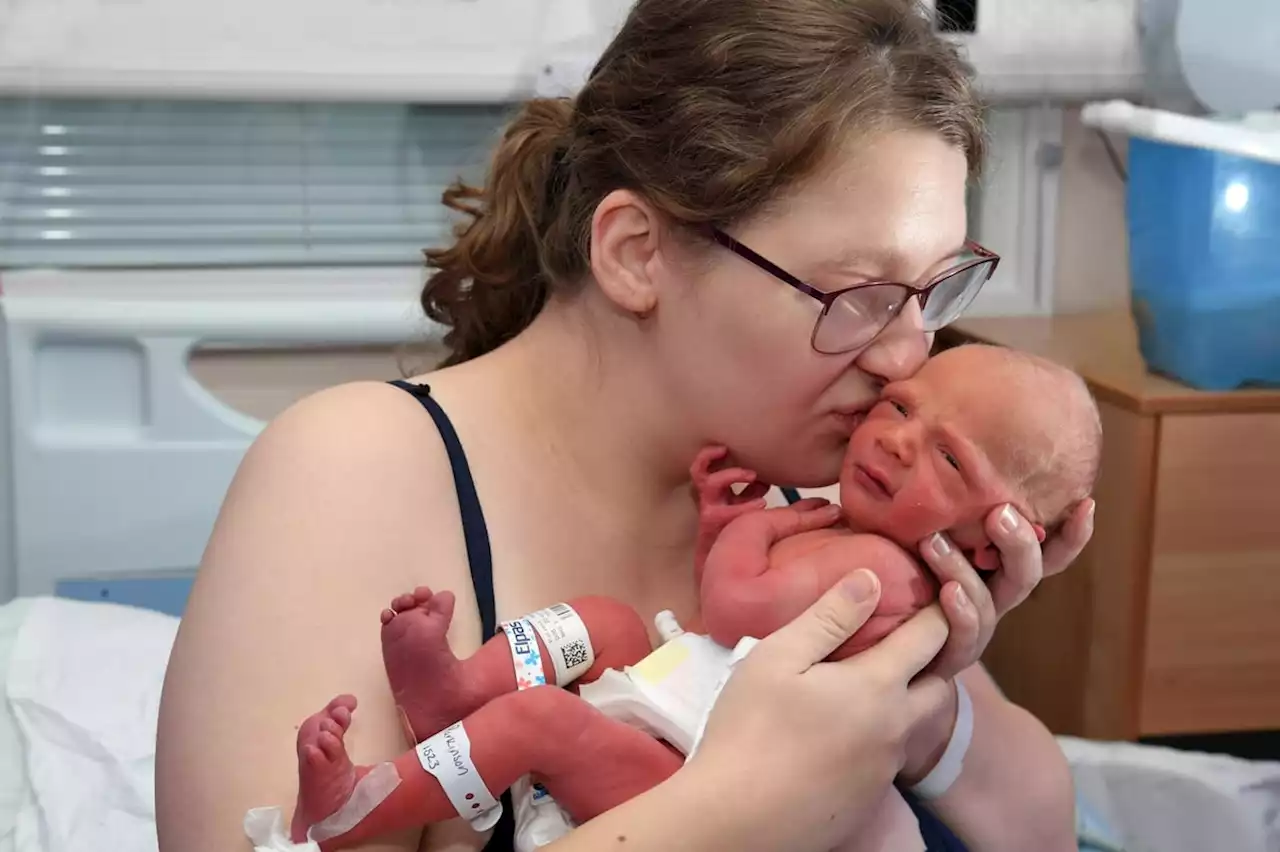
825, 625
1061, 550
1021, 561
910, 648
949, 565
808, 504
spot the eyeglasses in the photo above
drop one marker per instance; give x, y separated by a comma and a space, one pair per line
854, 316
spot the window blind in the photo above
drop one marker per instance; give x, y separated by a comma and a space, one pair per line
111, 183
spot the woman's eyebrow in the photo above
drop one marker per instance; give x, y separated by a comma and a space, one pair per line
866, 261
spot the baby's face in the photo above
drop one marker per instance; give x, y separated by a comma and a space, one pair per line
926, 457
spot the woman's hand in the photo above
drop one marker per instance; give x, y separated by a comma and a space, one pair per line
974, 606
809, 748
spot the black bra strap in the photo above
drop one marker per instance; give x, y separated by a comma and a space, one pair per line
474, 530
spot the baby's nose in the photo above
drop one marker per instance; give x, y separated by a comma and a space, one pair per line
899, 443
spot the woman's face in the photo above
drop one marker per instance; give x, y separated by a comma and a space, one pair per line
735, 345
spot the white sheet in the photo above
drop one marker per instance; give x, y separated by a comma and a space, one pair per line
84, 688
1167, 800
16, 802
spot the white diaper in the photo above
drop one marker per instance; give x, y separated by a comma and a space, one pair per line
669, 695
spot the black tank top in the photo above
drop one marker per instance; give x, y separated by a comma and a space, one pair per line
937, 837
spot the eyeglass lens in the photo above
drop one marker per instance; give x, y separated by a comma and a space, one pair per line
857, 316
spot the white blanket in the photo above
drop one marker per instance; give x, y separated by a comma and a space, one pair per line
83, 688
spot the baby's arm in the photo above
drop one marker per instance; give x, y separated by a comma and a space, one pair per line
588, 762
751, 588
718, 504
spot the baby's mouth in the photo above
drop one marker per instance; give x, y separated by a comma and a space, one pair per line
871, 482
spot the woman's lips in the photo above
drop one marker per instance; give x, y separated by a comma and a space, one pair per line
851, 420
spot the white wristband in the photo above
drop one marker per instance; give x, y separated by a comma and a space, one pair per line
942, 776
447, 756
525, 655
565, 634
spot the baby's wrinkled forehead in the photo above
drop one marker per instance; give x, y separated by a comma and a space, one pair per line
1033, 419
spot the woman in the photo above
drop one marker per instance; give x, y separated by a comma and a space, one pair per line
618, 299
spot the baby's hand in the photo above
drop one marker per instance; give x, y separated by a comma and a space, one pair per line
715, 483
718, 504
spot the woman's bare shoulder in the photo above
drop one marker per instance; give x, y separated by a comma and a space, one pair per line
344, 501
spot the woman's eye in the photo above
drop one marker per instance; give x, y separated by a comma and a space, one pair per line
951, 460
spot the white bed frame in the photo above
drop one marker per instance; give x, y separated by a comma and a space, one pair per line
118, 459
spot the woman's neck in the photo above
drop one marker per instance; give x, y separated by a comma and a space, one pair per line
598, 421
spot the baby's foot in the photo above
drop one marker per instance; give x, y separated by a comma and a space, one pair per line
426, 679
326, 777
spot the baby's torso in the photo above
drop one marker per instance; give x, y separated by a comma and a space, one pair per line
906, 584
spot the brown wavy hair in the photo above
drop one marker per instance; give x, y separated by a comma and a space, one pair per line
708, 109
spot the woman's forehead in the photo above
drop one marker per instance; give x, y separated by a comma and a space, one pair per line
892, 208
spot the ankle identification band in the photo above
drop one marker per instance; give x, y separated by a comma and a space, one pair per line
942, 776
524, 653
447, 756
565, 634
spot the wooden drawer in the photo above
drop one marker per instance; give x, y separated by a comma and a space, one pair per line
1212, 656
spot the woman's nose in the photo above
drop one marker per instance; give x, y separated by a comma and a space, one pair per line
901, 348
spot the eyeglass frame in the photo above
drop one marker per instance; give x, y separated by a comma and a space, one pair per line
827, 299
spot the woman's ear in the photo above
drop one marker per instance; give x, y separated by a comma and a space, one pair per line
625, 236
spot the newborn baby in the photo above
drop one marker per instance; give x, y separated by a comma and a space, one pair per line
976, 427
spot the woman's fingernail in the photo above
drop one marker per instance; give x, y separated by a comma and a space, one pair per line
963, 603
939, 545
1008, 519
1093, 505
860, 585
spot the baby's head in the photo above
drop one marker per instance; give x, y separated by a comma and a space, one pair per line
977, 426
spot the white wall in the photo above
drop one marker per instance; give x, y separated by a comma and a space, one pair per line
1091, 264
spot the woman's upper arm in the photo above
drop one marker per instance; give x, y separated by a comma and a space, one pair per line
343, 502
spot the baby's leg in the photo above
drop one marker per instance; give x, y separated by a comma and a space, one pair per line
892, 827
588, 762
434, 689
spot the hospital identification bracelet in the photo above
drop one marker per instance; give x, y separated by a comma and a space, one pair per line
565, 634
447, 756
525, 655
942, 776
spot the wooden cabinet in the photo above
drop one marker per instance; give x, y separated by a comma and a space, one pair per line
1169, 623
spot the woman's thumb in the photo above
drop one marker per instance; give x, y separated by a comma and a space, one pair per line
831, 620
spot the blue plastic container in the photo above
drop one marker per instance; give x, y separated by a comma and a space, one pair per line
1204, 246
